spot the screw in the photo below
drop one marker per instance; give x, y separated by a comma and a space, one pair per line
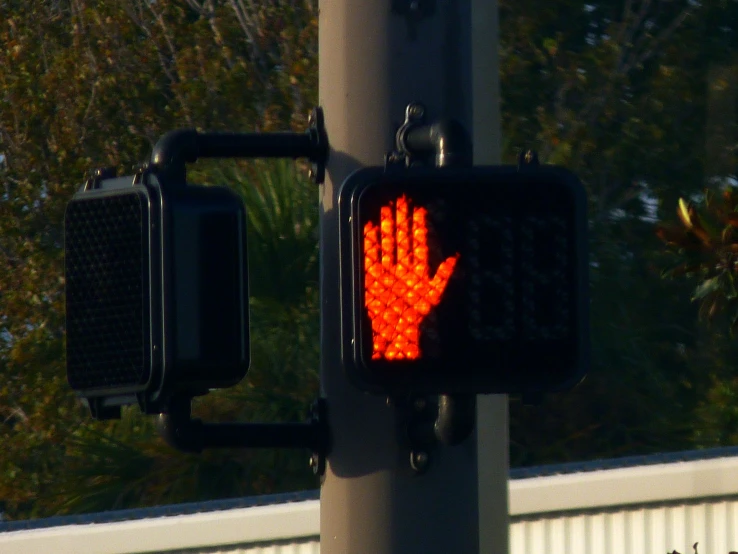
419, 461
419, 404
530, 157
394, 158
317, 464
415, 110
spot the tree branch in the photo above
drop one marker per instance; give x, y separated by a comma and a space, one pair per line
247, 26
174, 80
208, 12
665, 34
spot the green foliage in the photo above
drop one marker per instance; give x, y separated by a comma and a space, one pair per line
704, 247
625, 94
707, 246
86, 84
283, 229
635, 97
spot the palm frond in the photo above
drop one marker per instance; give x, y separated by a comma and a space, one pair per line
282, 227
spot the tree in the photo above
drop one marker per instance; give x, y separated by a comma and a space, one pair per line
618, 92
96, 83
625, 93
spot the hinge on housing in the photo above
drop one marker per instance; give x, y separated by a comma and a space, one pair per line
140, 173
528, 159
97, 175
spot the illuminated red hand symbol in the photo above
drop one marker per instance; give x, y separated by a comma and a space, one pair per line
399, 292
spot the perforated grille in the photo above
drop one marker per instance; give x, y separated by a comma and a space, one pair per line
107, 266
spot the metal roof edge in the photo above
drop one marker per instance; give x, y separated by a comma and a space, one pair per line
623, 462
550, 477
290, 522
671, 481
114, 516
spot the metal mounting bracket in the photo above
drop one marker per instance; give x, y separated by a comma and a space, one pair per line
180, 431
443, 143
448, 418
418, 415
402, 156
176, 148
97, 175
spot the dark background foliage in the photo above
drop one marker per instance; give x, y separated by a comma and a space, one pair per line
636, 97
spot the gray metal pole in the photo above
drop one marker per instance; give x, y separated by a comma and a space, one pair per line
373, 62
492, 410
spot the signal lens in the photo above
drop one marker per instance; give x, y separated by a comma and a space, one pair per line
399, 292
463, 280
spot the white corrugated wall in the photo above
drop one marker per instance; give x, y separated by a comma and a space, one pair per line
651, 509
647, 530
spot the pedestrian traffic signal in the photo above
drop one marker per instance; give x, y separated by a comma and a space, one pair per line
156, 292
463, 280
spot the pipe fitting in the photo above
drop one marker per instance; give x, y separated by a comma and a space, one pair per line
456, 418
446, 139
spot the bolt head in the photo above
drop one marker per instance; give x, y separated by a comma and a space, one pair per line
419, 461
317, 464
415, 110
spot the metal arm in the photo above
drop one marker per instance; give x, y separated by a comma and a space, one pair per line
180, 431
177, 148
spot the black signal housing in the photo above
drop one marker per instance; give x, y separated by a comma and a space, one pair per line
513, 315
156, 292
